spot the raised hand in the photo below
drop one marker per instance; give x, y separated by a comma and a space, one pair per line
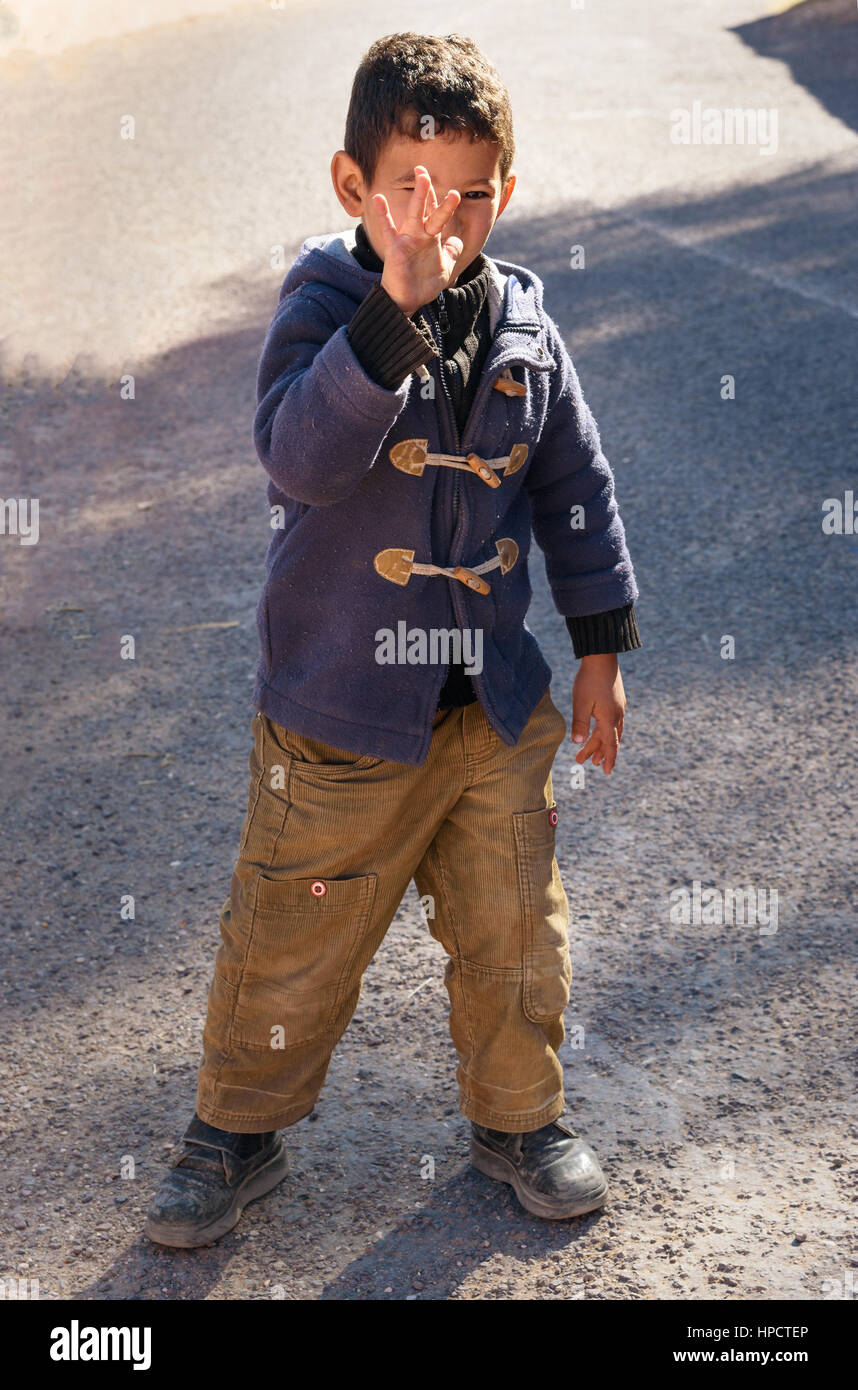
419, 259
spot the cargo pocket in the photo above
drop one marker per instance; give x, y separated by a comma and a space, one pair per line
303, 937
544, 917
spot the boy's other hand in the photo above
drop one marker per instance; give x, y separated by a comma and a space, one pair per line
598, 693
419, 260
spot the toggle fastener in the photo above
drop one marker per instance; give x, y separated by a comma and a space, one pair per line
412, 455
398, 566
482, 470
472, 580
507, 383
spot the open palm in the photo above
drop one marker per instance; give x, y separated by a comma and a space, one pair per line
419, 260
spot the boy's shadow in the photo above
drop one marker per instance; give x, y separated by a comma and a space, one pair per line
468, 1221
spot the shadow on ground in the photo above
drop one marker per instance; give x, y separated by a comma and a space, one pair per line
818, 41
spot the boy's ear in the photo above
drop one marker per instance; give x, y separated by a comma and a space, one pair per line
507, 193
348, 183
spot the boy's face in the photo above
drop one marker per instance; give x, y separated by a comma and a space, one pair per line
454, 161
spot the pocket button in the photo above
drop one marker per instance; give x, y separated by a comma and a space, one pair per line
318, 888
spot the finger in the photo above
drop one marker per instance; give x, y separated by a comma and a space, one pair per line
387, 226
415, 213
431, 204
607, 732
592, 746
437, 220
454, 246
580, 723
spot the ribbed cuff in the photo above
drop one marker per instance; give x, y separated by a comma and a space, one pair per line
387, 343
616, 631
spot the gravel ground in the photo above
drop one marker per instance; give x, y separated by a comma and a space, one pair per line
711, 1066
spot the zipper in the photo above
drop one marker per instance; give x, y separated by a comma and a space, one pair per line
443, 324
443, 327
443, 320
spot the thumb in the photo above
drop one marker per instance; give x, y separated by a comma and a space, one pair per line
580, 720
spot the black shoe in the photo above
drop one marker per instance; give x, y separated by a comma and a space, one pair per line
554, 1172
208, 1187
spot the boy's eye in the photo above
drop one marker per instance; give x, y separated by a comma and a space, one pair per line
475, 193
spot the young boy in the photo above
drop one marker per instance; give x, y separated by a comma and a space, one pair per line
419, 417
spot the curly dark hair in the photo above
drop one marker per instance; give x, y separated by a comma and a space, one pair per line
405, 77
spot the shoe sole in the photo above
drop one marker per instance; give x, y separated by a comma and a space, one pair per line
495, 1166
254, 1185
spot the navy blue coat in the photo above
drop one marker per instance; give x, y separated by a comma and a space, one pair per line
343, 509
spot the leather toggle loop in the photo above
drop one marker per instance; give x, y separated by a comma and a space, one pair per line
398, 565
517, 456
412, 455
510, 387
508, 552
394, 565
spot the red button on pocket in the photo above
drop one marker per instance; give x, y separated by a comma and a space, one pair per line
319, 889
552, 816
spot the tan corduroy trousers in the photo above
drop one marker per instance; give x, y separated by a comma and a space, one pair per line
329, 846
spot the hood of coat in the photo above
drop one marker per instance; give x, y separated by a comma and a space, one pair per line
515, 293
